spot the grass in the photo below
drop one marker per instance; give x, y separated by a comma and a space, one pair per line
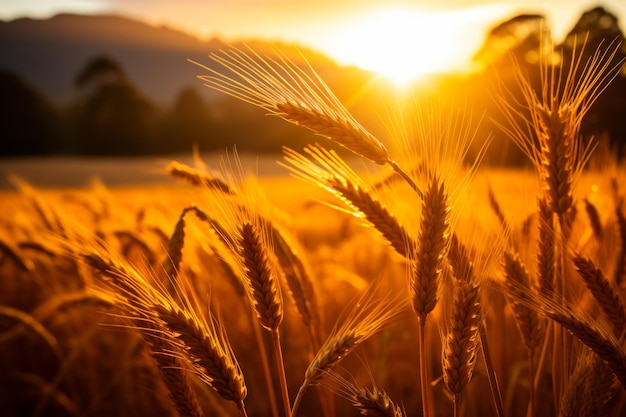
418, 285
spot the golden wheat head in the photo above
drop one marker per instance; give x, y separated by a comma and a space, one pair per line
297, 95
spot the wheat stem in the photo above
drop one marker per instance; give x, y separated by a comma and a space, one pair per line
406, 177
424, 380
494, 385
267, 374
281, 372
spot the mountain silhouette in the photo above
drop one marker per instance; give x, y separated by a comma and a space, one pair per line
48, 53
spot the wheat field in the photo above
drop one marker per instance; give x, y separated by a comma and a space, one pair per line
407, 280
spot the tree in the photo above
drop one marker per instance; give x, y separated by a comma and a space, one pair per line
100, 70
112, 116
189, 123
28, 122
598, 32
522, 37
595, 27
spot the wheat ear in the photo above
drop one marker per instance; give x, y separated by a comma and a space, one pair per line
245, 229
546, 251
430, 252
196, 177
261, 280
175, 377
174, 250
517, 282
594, 219
497, 209
558, 152
589, 388
209, 350
326, 169
186, 332
592, 334
368, 316
299, 283
294, 94
463, 269
297, 95
14, 254
459, 351
609, 300
30, 322
603, 345
372, 402
49, 216
529, 325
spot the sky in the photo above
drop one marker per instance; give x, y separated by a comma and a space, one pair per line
411, 37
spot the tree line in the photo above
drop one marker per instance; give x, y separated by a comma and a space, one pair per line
112, 117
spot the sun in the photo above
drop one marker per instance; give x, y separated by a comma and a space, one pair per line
407, 45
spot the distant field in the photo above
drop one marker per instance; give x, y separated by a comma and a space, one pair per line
79, 171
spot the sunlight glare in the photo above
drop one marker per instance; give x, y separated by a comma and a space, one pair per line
406, 45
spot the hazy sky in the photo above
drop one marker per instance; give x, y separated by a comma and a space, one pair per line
346, 29
289, 19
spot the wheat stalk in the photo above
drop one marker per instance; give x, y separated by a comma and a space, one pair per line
426, 265
557, 149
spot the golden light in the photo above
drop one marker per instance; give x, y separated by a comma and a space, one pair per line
405, 45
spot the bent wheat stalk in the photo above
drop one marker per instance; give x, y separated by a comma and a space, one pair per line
298, 96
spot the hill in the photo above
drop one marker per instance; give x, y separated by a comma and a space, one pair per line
48, 53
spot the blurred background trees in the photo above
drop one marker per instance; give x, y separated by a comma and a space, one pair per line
110, 116
517, 46
28, 122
